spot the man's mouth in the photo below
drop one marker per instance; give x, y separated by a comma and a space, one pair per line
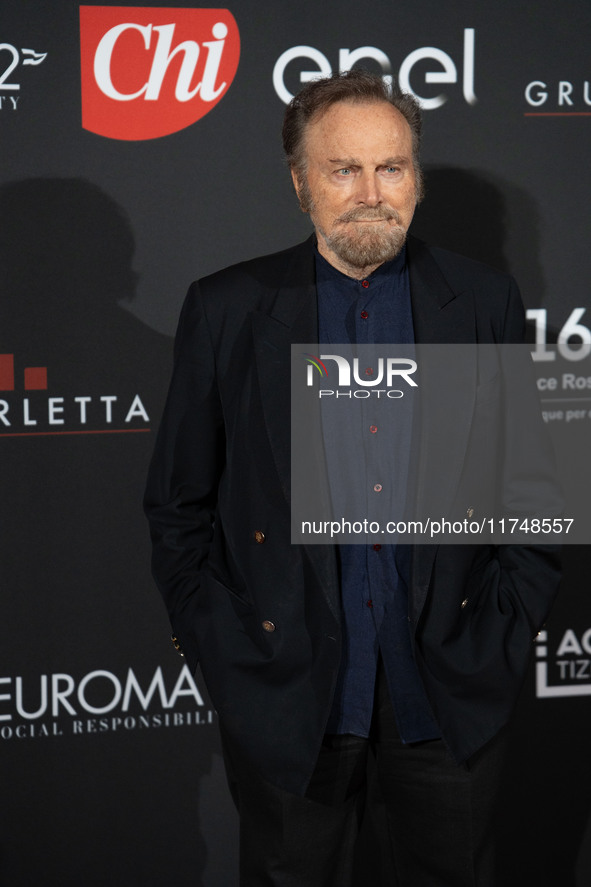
352, 217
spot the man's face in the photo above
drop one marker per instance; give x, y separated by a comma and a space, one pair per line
360, 186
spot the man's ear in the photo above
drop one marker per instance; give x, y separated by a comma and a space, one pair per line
297, 184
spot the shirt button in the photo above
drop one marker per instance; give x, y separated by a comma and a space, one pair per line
364, 315
369, 371
377, 488
373, 428
369, 604
259, 537
268, 625
377, 547
365, 284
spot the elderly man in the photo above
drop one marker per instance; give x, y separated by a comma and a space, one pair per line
318, 656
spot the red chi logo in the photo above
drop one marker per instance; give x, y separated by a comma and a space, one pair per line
148, 72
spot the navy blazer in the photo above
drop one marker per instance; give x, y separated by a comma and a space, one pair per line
262, 616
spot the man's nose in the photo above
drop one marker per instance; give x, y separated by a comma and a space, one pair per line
368, 189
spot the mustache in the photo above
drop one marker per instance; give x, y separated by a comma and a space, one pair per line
370, 213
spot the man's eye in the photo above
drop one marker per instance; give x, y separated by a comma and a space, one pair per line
392, 169
345, 171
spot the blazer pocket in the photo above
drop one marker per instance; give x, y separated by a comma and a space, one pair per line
482, 578
215, 587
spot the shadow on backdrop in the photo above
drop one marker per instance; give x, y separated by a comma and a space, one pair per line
100, 806
486, 218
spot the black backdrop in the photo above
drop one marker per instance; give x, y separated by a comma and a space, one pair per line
110, 764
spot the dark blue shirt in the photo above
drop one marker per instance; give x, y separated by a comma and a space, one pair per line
374, 578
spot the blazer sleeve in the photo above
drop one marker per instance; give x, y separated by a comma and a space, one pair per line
529, 572
188, 460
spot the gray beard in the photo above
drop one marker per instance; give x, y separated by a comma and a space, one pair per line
368, 248
364, 245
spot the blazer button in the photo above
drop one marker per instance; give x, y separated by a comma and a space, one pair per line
464, 603
259, 537
268, 625
470, 512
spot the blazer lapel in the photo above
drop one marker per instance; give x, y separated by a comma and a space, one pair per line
293, 319
440, 317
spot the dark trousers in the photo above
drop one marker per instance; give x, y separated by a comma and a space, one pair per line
438, 815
